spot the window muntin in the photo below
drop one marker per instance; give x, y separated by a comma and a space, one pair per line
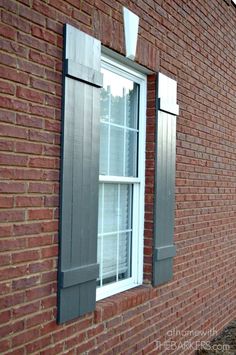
121, 189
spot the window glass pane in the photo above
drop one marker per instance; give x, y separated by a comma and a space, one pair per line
110, 208
109, 258
99, 259
105, 104
114, 96
124, 263
117, 109
100, 207
116, 151
132, 104
125, 218
103, 164
131, 151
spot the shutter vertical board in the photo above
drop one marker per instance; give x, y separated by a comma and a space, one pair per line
164, 249
78, 268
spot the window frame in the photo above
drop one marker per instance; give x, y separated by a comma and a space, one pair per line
138, 184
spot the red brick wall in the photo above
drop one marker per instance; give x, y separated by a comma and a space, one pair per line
191, 41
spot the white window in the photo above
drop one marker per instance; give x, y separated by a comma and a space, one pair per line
121, 186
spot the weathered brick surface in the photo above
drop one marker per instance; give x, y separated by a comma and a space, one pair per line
191, 41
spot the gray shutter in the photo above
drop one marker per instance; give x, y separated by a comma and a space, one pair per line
78, 268
164, 249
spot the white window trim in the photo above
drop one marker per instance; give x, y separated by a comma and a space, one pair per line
138, 185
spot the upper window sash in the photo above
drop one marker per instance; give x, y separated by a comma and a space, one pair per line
140, 79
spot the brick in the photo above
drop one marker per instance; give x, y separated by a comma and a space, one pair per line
42, 162
10, 5
40, 214
8, 32
14, 48
31, 42
51, 201
75, 3
31, 201
44, 9
43, 34
31, 15
15, 21
5, 288
25, 283
62, 6
39, 292
12, 187
53, 349
87, 8
8, 60
45, 265
30, 148
56, 77
12, 216
29, 94
82, 17
5, 231
11, 328
7, 116
40, 188
25, 337
12, 244
72, 342
5, 259
41, 240
27, 255
22, 311
38, 344
42, 111
25, 2
95, 330
43, 85
49, 276
9, 159
31, 68
48, 252
50, 226
26, 174
9, 103
4, 345
29, 121
53, 101
54, 51
6, 201
52, 125
27, 229
49, 302
41, 136
5, 316
7, 88
85, 346
52, 151
13, 131
54, 25
39, 58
